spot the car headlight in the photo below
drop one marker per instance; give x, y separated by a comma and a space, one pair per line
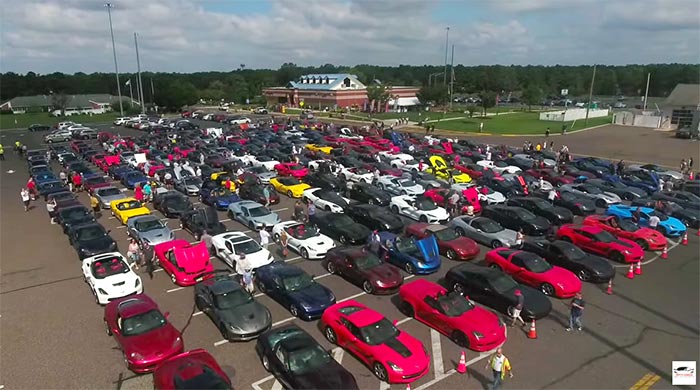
478, 334
560, 285
177, 342
394, 367
138, 283
136, 355
271, 258
627, 252
101, 291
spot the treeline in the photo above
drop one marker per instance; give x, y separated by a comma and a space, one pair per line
241, 84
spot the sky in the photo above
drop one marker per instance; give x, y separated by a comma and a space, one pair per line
219, 35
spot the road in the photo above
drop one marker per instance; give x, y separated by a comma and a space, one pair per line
52, 335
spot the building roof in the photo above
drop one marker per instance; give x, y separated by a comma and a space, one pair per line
73, 100
684, 95
324, 81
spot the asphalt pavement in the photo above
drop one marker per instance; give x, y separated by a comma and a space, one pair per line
52, 334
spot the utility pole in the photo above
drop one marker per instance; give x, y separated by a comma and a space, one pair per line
452, 76
646, 93
114, 52
138, 68
590, 95
447, 40
153, 93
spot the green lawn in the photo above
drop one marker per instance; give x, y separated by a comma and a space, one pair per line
519, 123
24, 120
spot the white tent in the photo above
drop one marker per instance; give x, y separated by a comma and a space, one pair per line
404, 102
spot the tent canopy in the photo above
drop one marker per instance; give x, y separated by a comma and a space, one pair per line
404, 102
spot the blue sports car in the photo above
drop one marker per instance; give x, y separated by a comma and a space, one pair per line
650, 184
294, 289
669, 226
419, 257
220, 197
131, 179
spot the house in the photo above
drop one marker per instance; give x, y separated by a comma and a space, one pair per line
75, 104
342, 90
683, 105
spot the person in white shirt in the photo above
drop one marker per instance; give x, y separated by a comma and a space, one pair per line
551, 196
654, 221
264, 237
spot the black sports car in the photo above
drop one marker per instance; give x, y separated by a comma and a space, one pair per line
495, 289
368, 193
91, 239
508, 187
299, 362
516, 218
198, 220
620, 189
577, 204
172, 204
689, 217
231, 308
685, 199
588, 267
554, 214
340, 227
325, 181
375, 217
74, 215
256, 193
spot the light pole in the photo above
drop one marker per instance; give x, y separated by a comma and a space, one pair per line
447, 40
114, 52
431, 76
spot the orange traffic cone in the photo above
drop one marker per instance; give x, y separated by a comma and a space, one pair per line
462, 366
532, 334
664, 254
685, 238
630, 272
609, 291
697, 233
638, 270
408, 386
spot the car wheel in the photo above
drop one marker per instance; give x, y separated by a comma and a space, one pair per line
496, 244
50, 141
294, 310
197, 236
342, 239
172, 278
261, 286
459, 288
451, 254
380, 372
276, 238
224, 333
495, 266
643, 244
600, 203
460, 339
409, 268
423, 219
628, 196
617, 257
330, 267
289, 194
251, 226
583, 275
330, 335
266, 363
460, 231
304, 253
382, 187
395, 209
367, 287
547, 289
328, 208
230, 214
107, 330
406, 309
404, 193
685, 222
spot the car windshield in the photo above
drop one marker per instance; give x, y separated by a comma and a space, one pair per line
618, 185
232, 299
604, 236
151, 224
208, 379
447, 234
503, 284
308, 359
91, 233
297, 282
259, 211
142, 323
407, 183
454, 304
379, 332
536, 264
541, 204
489, 226
568, 196
95, 180
193, 181
425, 204
406, 245
289, 181
662, 216
108, 192
246, 247
107, 267
177, 202
525, 215
627, 226
296, 168
302, 232
591, 190
74, 213
572, 252
367, 261
132, 204
342, 221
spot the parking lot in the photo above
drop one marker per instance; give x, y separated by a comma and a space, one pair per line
52, 334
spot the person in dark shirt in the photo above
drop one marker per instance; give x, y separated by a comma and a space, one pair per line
515, 314
577, 306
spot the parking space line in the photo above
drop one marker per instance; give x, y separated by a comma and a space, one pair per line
438, 366
482, 356
220, 342
258, 295
121, 227
322, 276
225, 220
256, 385
198, 313
276, 386
158, 270
282, 209
352, 297
384, 386
405, 320
284, 321
175, 289
112, 217
175, 230
292, 259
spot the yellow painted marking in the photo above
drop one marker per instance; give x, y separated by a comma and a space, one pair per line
650, 382
646, 382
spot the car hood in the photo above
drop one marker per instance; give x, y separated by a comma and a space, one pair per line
355, 231
673, 223
463, 244
391, 220
111, 198
330, 376
157, 236
622, 244
386, 273
269, 220
481, 320
429, 249
598, 264
227, 199
314, 296
153, 343
96, 244
194, 258
248, 318
405, 351
266, 175
536, 303
566, 278
80, 220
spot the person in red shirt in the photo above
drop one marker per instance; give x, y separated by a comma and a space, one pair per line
77, 181
31, 186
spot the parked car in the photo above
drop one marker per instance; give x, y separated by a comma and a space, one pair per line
363, 269
192, 369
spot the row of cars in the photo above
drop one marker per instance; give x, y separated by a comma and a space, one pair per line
354, 326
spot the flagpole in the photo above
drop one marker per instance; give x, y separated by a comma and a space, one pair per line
131, 94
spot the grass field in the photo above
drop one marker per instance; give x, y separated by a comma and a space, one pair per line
23, 121
517, 123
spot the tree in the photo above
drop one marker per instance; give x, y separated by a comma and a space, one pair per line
532, 95
436, 94
471, 110
177, 95
59, 101
488, 100
378, 93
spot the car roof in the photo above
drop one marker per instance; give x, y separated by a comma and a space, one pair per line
363, 317
223, 286
135, 305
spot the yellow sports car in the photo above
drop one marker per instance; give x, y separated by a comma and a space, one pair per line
319, 148
221, 177
288, 185
126, 208
440, 169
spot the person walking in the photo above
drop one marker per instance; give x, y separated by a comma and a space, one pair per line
207, 240
518, 308
95, 205
133, 253
551, 196
452, 202
690, 161
284, 240
2, 153
147, 192
148, 259
577, 306
64, 177
51, 209
264, 237
24, 193
310, 210
77, 181
138, 193
500, 366
519, 238
298, 214
31, 187
266, 194
654, 221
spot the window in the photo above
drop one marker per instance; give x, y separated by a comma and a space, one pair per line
346, 82
518, 262
281, 356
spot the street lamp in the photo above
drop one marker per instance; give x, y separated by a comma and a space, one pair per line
114, 52
430, 77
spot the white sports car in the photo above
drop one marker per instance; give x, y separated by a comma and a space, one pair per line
489, 196
601, 198
264, 161
418, 208
304, 239
398, 160
110, 277
325, 200
499, 166
357, 175
399, 185
231, 245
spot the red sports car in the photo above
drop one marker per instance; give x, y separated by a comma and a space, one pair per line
648, 239
453, 315
93, 183
363, 268
291, 169
394, 355
142, 332
473, 170
532, 270
195, 369
440, 195
187, 264
600, 242
548, 174
451, 244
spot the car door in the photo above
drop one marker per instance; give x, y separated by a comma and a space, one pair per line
279, 365
275, 289
228, 255
206, 303
350, 270
516, 268
588, 242
428, 310
354, 342
170, 264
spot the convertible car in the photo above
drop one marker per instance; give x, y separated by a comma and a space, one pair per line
110, 277
420, 257
123, 209
304, 239
668, 226
292, 187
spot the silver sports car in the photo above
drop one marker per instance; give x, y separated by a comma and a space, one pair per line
148, 229
253, 214
108, 194
484, 231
